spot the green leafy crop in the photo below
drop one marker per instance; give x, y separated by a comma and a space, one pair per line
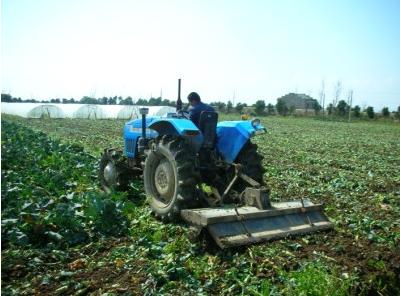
49, 193
61, 235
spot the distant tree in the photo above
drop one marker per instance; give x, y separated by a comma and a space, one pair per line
126, 101
292, 110
397, 114
88, 100
370, 112
112, 100
155, 101
357, 111
270, 109
330, 109
103, 100
229, 107
221, 106
6, 98
55, 101
317, 107
281, 107
142, 102
385, 112
259, 107
349, 103
166, 102
171, 103
338, 91
322, 98
239, 107
342, 108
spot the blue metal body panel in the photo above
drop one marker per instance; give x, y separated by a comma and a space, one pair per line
174, 126
132, 132
232, 136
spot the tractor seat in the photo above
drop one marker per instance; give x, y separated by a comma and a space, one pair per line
208, 126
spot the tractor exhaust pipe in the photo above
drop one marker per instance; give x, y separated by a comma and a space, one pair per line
144, 112
179, 101
142, 141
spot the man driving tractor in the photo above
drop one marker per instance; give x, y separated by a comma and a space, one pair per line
196, 107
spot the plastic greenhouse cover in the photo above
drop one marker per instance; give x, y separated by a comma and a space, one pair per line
39, 110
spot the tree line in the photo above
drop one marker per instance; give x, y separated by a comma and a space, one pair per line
116, 100
342, 109
260, 108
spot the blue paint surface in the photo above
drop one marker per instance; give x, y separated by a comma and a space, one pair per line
232, 136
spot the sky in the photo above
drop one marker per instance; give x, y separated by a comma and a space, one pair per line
242, 50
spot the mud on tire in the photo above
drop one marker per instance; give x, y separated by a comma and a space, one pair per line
170, 179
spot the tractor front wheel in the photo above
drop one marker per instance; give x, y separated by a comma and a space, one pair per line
113, 172
170, 177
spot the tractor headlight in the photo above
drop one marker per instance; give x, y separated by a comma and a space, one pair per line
255, 123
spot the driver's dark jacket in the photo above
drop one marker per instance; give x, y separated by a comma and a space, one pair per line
194, 112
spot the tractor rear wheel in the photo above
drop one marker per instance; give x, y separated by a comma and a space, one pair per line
251, 162
113, 173
169, 177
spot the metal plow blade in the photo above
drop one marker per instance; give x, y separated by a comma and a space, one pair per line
231, 227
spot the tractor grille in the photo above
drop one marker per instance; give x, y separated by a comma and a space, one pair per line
130, 146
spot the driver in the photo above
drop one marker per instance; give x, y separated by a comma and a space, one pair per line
196, 107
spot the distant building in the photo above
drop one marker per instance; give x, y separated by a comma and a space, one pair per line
299, 101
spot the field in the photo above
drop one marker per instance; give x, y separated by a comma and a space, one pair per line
61, 235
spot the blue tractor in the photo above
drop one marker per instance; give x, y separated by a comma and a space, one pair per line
210, 175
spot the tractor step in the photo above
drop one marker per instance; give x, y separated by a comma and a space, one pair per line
231, 227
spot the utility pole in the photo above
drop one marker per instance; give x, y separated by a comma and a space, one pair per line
349, 102
338, 91
322, 97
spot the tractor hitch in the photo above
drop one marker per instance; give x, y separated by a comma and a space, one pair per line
256, 197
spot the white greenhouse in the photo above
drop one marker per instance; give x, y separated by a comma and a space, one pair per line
41, 110
90, 112
164, 110
32, 110
129, 112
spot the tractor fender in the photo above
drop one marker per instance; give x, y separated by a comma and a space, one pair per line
232, 136
178, 127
